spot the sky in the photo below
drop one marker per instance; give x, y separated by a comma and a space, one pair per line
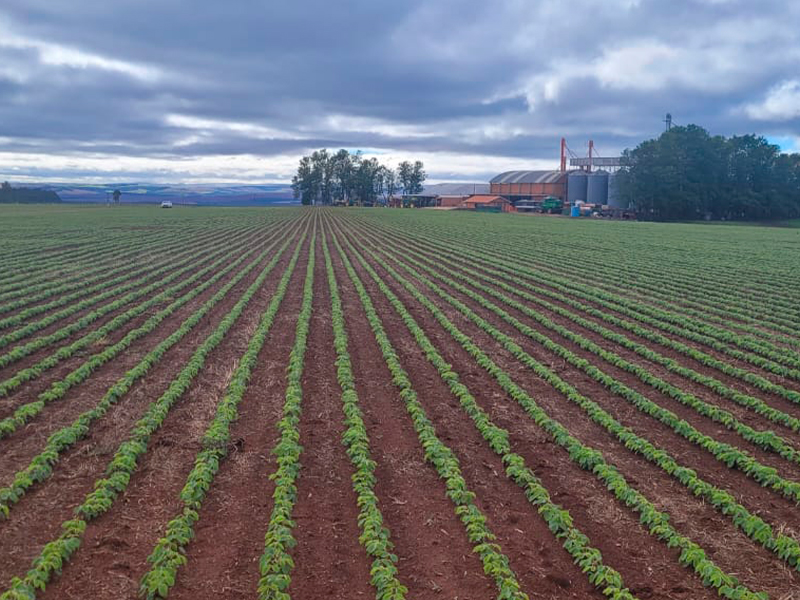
209, 91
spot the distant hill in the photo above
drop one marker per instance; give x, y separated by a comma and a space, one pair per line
201, 195
27, 195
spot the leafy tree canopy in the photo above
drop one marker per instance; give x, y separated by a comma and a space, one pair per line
688, 174
342, 177
22, 195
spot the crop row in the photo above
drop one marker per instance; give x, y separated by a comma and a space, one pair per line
136, 280
35, 370
38, 271
637, 271
557, 292
106, 286
753, 526
511, 261
650, 283
57, 552
705, 359
41, 466
547, 273
764, 439
643, 279
702, 310
588, 458
78, 276
375, 536
276, 564
169, 552
18, 352
495, 563
58, 389
558, 520
45, 273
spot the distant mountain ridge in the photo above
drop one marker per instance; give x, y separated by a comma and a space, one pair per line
198, 194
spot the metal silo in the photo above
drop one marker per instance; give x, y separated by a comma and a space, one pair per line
597, 188
614, 199
576, 187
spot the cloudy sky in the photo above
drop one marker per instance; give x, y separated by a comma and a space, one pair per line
203, 90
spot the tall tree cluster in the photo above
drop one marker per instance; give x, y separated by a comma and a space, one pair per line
22, 195
688, 174
327, 178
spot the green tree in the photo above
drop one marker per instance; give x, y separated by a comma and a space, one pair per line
411, 177
305, 184
389, 184
344, 166
323, 164
368, 181
687, 174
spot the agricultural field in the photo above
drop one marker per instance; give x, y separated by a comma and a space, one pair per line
371, 403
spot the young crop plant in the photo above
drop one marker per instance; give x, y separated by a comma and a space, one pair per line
37, 369
41, 467
753, 526
375, 536
169, 552
495, 563
276, 564
58, 389
589, 459
106, 490
558, 520
765, 439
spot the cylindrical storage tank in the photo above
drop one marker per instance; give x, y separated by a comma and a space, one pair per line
576, 187
575, 211
597, 188
614, 199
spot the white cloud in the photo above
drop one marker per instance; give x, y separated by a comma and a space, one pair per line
339, 123
781, 103
203, 127
441, 166
58, 55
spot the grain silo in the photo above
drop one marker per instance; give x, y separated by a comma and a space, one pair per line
597, 188
614, 198
576, 187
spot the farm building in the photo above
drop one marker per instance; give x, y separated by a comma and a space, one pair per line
454, 194
529, 185
488, 202
446, 195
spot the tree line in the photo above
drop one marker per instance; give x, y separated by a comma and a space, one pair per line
688, 174
12, 195
342, 177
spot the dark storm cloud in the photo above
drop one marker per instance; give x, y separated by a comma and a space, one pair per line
239, 90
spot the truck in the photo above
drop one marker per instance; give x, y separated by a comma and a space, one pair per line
552, 205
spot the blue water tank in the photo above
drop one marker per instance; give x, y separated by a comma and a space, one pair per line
575, 211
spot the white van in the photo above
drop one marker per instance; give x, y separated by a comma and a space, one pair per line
166, 204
